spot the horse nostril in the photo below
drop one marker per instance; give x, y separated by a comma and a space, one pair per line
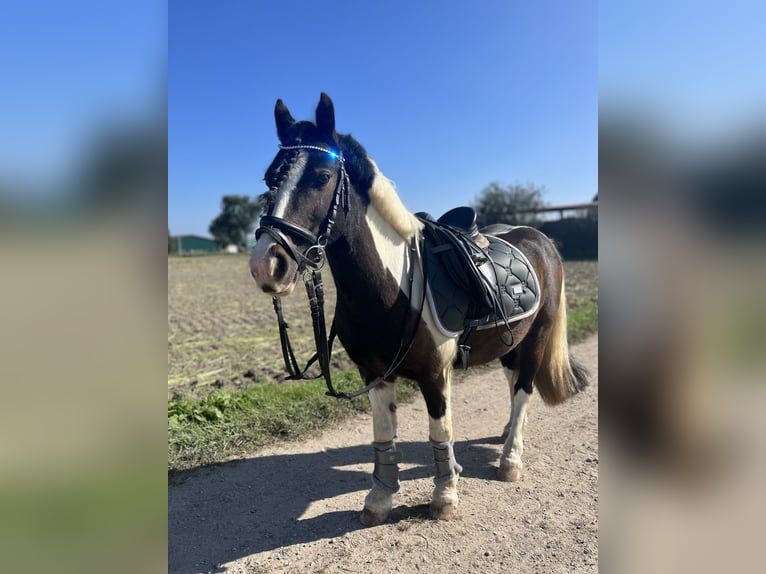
277, 263
281, 270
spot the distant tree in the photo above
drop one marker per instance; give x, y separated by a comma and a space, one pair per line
509, 204
236, 221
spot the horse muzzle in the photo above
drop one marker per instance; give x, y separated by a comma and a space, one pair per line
274, 270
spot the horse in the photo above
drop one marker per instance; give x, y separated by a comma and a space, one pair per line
327, 200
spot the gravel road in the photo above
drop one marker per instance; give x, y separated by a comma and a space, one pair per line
294, 507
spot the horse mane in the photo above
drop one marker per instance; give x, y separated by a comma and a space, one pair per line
380, 190
384, 198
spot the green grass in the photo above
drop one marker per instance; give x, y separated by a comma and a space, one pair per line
225, 423
582, 320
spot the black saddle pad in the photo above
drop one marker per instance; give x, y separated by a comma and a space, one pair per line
469, 286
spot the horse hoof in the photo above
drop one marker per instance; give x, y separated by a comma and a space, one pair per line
372, 518
446, 511
509, 474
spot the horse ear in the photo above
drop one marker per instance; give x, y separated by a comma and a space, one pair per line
325, 116
284, 120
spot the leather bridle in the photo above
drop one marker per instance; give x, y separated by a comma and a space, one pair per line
314, 257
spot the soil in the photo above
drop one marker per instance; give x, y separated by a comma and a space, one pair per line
222, 333
295, 507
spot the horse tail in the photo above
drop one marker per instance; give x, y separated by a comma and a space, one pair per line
559, 376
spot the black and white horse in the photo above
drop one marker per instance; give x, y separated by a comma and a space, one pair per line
327, 198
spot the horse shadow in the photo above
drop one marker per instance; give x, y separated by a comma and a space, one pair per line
224, 512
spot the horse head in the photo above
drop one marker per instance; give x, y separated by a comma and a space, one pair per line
311, 182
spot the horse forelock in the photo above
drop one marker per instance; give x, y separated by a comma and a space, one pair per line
282, 177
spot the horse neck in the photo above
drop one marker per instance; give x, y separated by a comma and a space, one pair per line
373, 257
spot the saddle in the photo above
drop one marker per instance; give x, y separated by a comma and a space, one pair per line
469, 286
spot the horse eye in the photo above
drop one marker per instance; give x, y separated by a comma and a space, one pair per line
322, 179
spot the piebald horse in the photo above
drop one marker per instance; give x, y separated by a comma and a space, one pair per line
328, 199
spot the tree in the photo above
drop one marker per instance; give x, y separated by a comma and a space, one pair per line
236, 221
509, 204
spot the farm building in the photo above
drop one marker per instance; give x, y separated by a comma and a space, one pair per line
188, 244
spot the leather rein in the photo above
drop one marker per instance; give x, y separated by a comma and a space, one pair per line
310, 264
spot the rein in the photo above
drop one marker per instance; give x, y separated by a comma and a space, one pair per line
310, 264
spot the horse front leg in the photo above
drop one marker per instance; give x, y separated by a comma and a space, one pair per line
385, 476
444, 499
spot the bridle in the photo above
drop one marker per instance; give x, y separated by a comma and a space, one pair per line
310, 263
314, 257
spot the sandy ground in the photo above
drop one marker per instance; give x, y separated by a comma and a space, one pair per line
295, 507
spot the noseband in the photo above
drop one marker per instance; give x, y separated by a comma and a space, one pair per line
314, 257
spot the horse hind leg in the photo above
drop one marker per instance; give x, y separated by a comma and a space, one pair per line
511, 372
385, 476
520, 382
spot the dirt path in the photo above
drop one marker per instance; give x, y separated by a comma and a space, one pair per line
294, 507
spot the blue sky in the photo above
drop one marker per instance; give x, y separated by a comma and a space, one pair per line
445, 96
70, 70
698, 67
